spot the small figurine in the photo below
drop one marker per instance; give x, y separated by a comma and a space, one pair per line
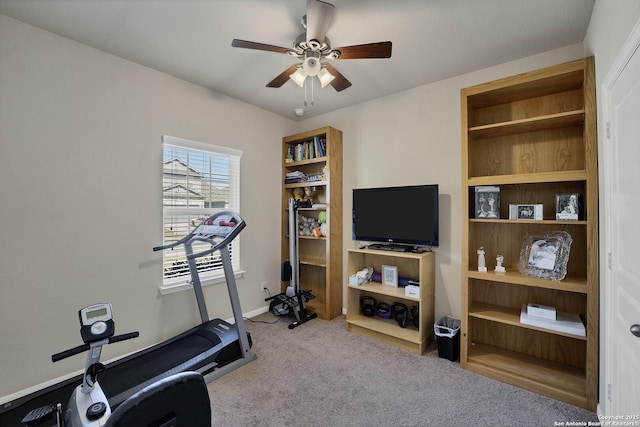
482, 264
308, 193
499, 268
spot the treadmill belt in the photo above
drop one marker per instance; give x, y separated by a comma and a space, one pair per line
123, 376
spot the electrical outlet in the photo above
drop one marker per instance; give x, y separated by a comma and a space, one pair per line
263, 285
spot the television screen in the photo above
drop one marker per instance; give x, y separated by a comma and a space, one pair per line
404, 215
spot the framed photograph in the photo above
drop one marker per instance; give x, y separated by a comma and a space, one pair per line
546, 256
487, 201
390, 275
533, 212
568, 206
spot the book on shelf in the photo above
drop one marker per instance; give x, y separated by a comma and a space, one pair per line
307, 150
302, 178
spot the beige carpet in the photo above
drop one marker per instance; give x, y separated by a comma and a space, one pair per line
321, 375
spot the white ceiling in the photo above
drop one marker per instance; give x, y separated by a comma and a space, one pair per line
432, 40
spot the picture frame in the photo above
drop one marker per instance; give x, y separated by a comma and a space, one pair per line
546, 256
487, 202
568, 206
390, 275
526, 211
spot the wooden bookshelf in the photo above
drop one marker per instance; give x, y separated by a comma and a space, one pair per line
320, 257
534, 136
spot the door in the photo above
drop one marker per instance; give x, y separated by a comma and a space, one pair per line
622, 230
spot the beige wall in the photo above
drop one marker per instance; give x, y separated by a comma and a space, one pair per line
80, 200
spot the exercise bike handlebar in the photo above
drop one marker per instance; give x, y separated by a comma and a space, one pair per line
84, 347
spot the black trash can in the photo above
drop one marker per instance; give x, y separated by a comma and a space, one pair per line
447, 331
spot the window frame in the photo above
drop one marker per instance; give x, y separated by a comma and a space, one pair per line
183, 282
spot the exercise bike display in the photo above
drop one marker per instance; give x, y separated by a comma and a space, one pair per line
88, 405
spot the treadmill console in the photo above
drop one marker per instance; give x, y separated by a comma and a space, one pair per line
96, 322
215, 226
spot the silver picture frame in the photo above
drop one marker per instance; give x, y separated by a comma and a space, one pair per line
545, 256
390, 275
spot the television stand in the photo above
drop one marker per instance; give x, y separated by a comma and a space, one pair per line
417, 336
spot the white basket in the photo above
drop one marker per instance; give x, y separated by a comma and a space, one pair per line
447, 327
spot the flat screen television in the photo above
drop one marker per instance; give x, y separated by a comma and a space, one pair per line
396, 215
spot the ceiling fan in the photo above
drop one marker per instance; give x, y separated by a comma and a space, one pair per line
313, 47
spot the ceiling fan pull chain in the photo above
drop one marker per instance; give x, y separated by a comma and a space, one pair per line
312, 79
305, 91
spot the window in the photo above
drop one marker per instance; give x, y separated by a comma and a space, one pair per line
198, 180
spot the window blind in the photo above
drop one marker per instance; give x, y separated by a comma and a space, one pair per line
198, 180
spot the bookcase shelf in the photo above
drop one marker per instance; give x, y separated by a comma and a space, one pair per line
556, 380
533, 135
509, 316
533, 124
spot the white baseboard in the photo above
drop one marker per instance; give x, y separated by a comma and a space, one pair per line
250, 314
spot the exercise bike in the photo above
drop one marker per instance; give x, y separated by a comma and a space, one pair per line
182, 396
88, 405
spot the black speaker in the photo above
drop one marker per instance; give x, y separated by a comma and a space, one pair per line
285, 272
400, 313
368, 305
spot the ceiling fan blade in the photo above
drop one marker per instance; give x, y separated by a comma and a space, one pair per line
258, 46
340, 82
283, 77
364, 51
319, 16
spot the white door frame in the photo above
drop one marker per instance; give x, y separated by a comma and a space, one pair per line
630, 47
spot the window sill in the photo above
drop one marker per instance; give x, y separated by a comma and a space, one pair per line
183, 285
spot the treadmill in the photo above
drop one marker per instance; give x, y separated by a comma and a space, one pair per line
213, 348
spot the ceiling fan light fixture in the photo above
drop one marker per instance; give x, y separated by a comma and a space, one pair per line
299, 77
334, 54
311, 65
325, 77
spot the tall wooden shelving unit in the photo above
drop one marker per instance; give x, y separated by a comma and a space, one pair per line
320, 257
534, 136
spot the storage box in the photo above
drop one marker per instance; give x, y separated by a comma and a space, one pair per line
526, 212
569, 323
543, 311
412, 291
